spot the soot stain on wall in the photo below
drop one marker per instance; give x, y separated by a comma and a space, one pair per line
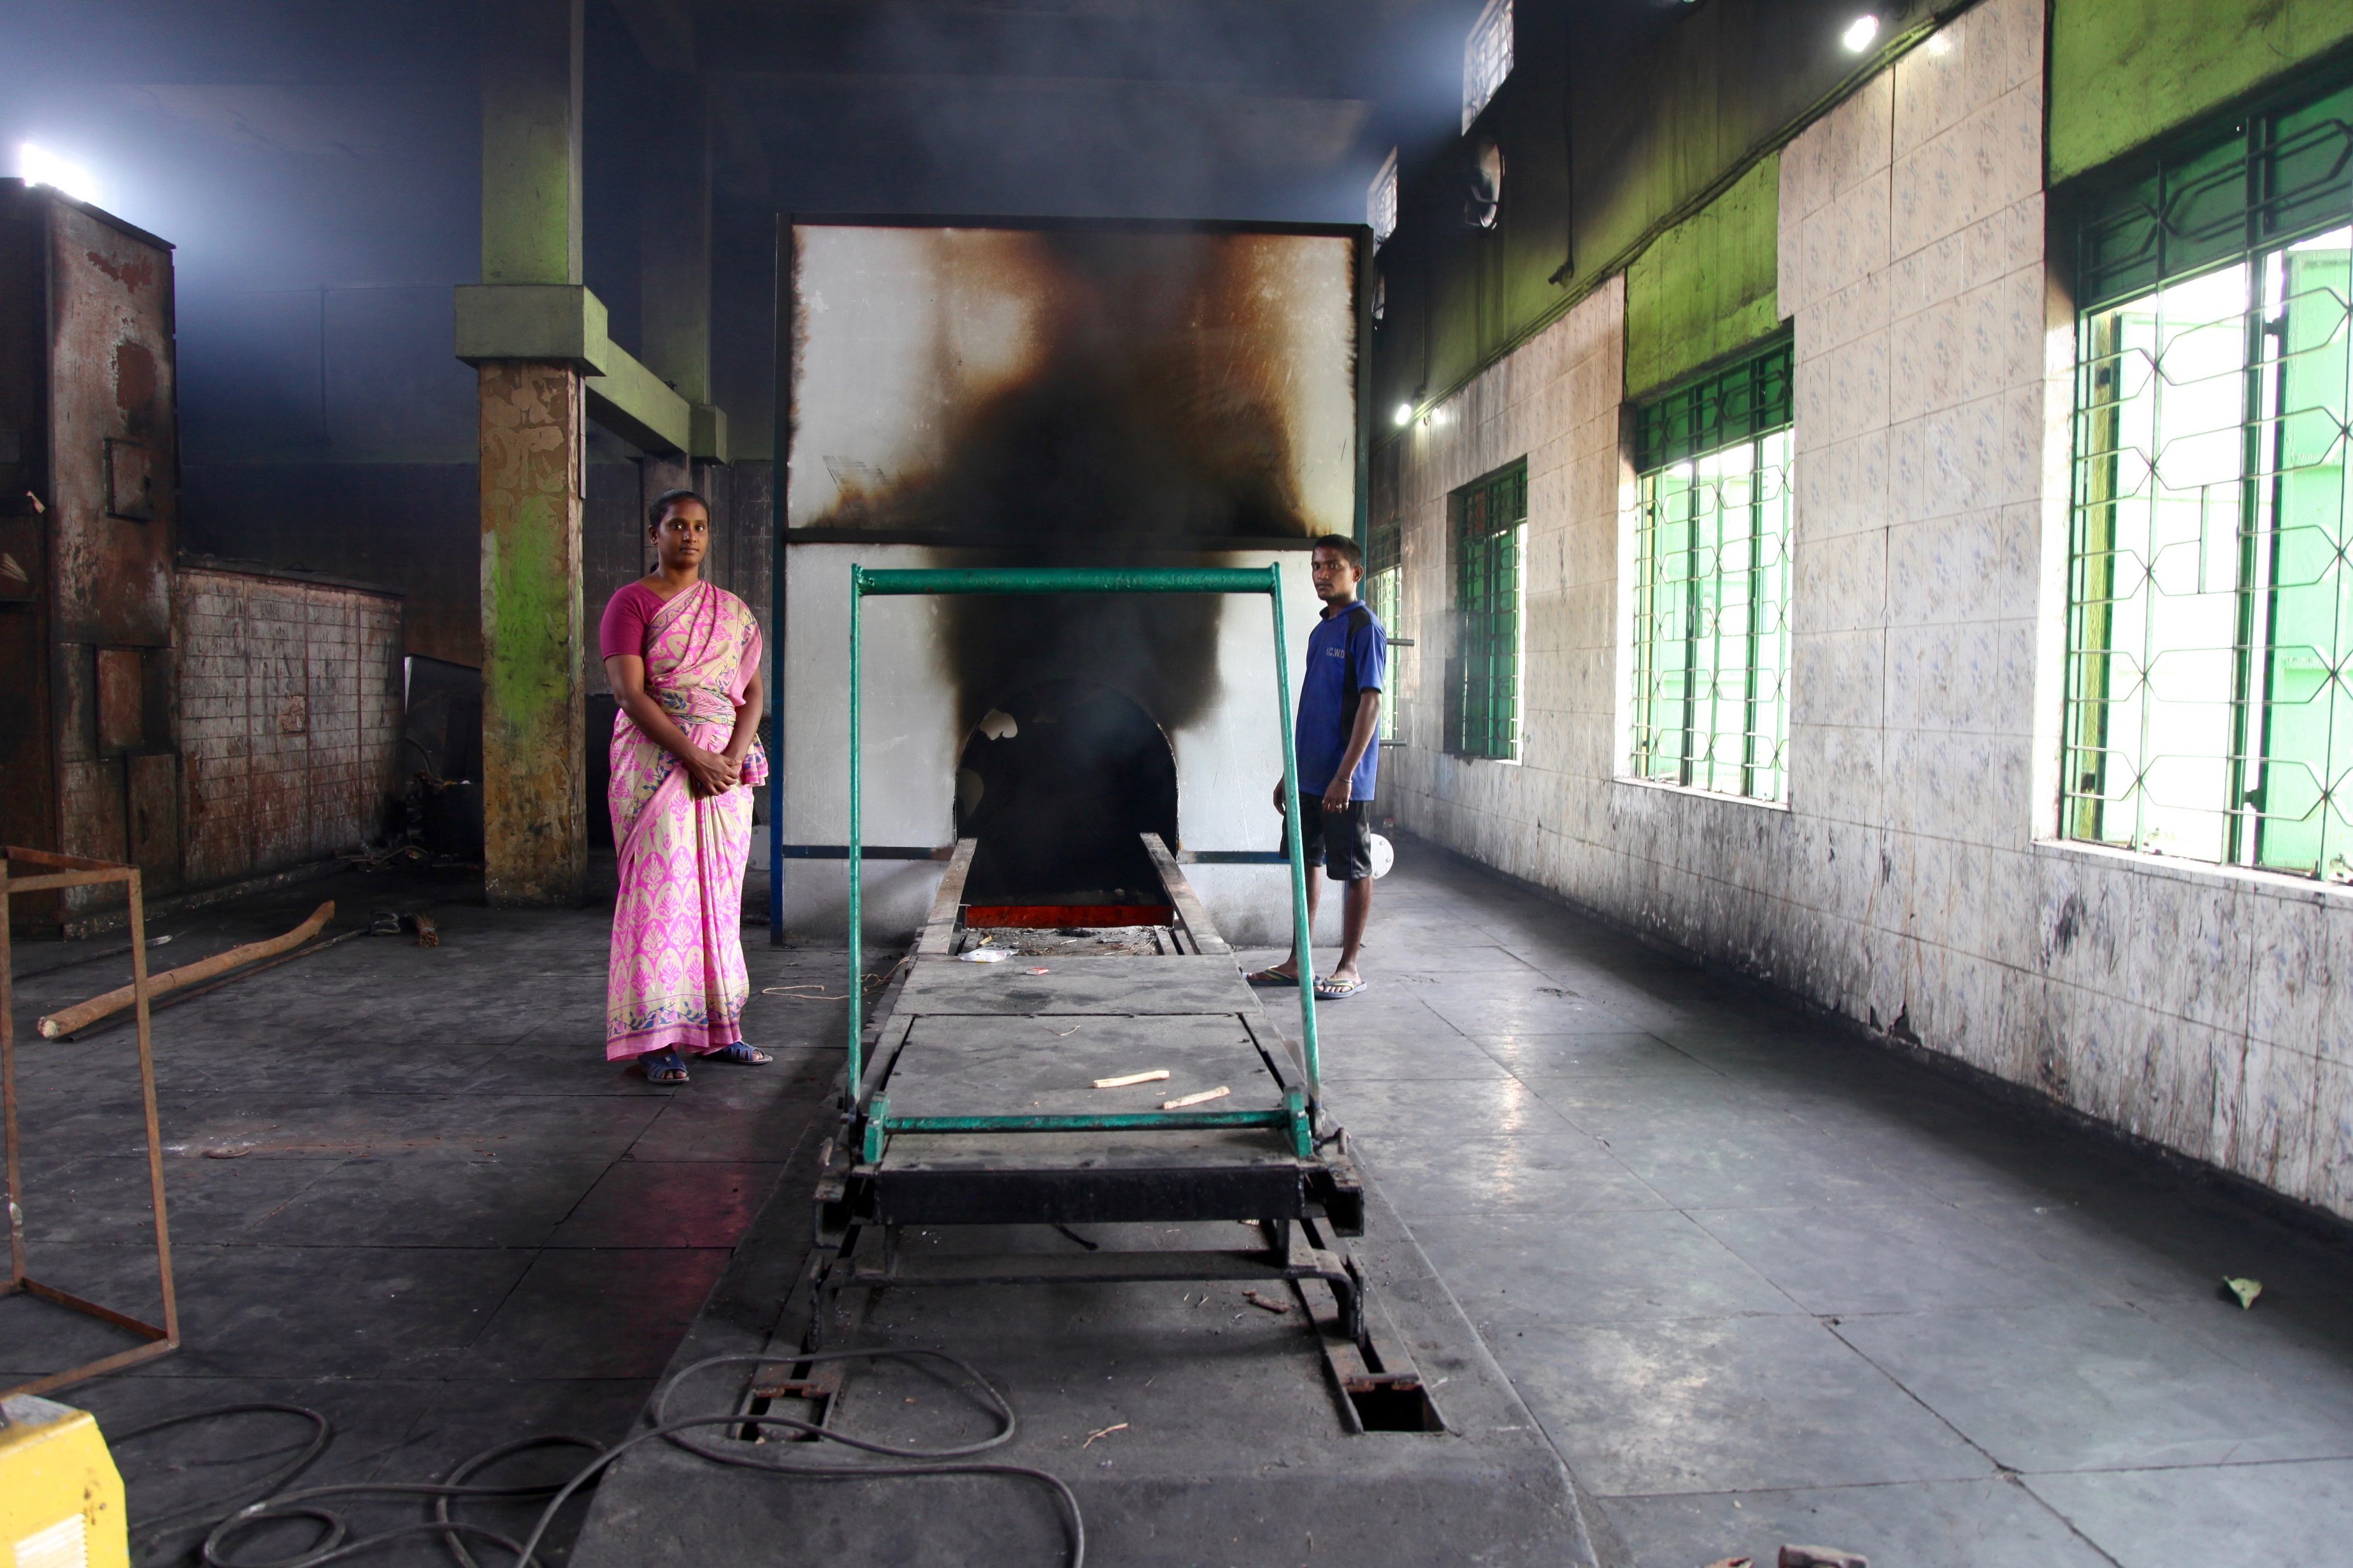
1150, 419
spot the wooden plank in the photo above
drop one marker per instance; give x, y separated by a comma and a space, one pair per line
1191, 914
65, 879
938, 939
115, 872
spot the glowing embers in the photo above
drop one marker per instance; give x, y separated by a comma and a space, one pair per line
1057, 783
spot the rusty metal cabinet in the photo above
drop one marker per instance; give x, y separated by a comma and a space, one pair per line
89, 522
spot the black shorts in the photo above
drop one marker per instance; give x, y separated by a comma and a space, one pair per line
1341, 840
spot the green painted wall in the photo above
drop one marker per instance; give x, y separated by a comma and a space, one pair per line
1708, 286
1616, 120
2126, 71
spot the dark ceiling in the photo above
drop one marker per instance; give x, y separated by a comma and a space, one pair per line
292, 142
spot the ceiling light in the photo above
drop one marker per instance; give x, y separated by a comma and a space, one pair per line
1859, 34
39, 166
1404, 415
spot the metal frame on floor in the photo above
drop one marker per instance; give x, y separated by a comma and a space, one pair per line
988, 1161
72, 871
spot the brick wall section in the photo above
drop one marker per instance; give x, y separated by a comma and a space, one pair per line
289, 719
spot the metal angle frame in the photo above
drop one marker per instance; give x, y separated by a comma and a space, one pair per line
72, 871
1299, 1108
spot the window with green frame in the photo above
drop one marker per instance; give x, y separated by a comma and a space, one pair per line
2210, 678
1710, 649
1488, 523
1383, 574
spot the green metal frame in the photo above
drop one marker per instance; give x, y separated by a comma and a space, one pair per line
1297, 1111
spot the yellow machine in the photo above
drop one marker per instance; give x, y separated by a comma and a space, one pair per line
60, 1495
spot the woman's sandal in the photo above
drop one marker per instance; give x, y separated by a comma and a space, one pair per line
743, 1054
662, 1066
1337, 989
1271, 977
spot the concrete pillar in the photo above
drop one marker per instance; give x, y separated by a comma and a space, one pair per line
674, 255
532, 422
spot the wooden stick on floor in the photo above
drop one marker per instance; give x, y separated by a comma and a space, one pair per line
83, 1014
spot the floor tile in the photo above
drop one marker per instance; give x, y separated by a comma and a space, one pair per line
1537, 1173
2247, 1513
386, 1201
669, 1204
1521, 1271
2076, 1387
1894, 1258
1930, 1524
1729, 1155
644, 1300
1725, 1403
1467, 1108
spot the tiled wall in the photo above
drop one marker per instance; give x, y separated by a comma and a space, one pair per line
289, 720
1911, 881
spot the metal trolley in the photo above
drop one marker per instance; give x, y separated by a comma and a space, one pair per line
968, 1096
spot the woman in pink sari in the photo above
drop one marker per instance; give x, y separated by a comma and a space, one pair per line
683, 660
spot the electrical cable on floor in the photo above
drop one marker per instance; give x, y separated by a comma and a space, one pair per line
335, 1543
323, 1433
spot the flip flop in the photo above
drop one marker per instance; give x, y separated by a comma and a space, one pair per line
662, 1066
743, 1054
1336, 989
1271, 977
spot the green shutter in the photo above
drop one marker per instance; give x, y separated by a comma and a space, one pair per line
2127, 72
1708, 287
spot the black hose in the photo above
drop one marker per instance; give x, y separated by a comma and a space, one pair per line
335, 1543
323, 1435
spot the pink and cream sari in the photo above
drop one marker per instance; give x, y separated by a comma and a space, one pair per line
677, 973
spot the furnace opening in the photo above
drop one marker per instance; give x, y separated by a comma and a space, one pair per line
1057, 782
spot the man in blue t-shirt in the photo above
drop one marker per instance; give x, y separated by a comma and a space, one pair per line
1339, 756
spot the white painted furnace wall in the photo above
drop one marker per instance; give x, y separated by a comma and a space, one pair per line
1227, 762
1912, 882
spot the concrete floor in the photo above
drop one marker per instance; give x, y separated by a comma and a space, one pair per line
1764, 1283
405, 1190
1760, 1283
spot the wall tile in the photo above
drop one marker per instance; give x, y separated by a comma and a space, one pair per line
2300, 992
1838, 677
1840, 582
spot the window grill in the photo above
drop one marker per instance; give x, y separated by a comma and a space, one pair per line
1490, 520
1486, 59
1381, 200
2210, 678
1711, 627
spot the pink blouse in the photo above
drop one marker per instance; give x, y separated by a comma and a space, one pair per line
623, 630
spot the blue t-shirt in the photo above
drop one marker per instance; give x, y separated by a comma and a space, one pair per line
1353, 639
